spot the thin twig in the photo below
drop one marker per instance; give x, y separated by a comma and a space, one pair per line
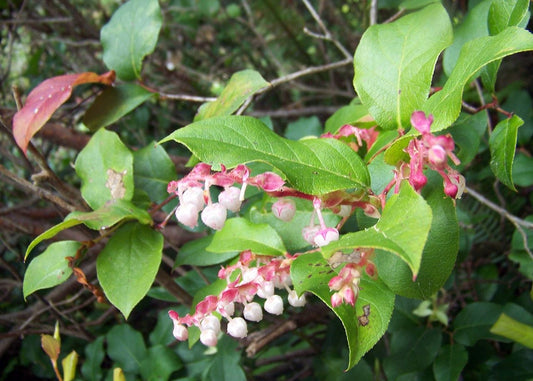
519, 223
186, 97
373, 12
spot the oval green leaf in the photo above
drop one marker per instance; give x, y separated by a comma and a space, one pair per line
105, 167
129, 36
50, 268
502, 145
394, 63
128, 264
313, 166
239, 234
113, 103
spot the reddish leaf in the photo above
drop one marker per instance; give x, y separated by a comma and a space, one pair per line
45, 99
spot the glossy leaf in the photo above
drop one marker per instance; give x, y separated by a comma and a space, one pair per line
239, 234
129, 36
502, 144
195, 253
225, 364
394, 63
113, 103
69, 364
126, 347
50, 268
105, 167
402, 230
473, 26
450, 362
513, 329
50, 233
128, 264
241, 85
153, 170
111, 213
474, 322
440, 251
314, 166
311, 272
45, 99
445, 105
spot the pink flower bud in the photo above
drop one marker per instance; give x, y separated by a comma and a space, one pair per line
417, 180
210, 322
284, 209
437, 157
268, 181
180, 332
349, 295
237, 328
187, 214
229, 309
296, 301
325, 236
336, 299
253, 312
194, 196
229, 199
274, 305
265, 289
450, 189
214, 216
309, 233
208, 337
420, 122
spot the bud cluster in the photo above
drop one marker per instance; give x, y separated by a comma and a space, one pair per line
432, 151
251, 276
195, 197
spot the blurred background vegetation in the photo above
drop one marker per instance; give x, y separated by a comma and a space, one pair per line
202, 43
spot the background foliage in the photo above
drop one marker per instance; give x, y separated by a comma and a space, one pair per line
477, 326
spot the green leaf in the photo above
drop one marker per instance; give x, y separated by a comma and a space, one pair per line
502, 144
91, 368
128, 264
450, 362
412, 349
50, 268
195, 253
517, 365
111, 213
394, 63
126, 347
49, 234
303, 128
502, 13
69, 364
513, 329
159, 363
473, 26
402, 229
105, 167
474, 321
239, 234
446, 103
226, 362
310, 272
438, 257
523, 170
241, 85
313, 166
129, 36
113, 103
153, 170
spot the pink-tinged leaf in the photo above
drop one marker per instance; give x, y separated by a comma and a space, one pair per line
46, 98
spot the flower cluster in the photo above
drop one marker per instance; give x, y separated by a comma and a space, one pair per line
432, 151
251, 276
346, 284
195, 197
367, 135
